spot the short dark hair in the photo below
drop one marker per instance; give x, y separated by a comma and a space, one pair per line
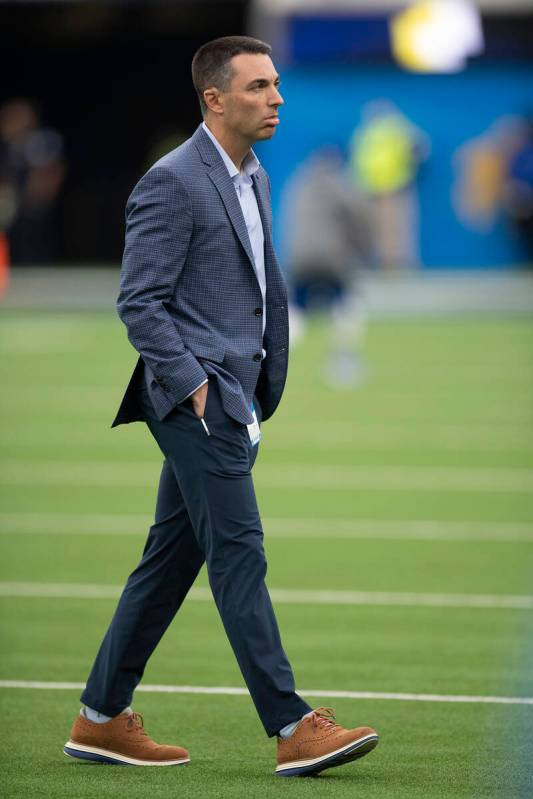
211, 65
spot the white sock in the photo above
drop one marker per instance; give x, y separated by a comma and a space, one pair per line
288, 730
99, 718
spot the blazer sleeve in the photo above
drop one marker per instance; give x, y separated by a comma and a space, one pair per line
159, 225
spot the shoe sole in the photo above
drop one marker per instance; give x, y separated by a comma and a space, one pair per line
353, 751
96, 755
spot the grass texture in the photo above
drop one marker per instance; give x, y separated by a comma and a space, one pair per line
418, 481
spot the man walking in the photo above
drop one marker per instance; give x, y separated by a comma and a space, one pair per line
205, 305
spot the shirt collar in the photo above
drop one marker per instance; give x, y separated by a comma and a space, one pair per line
250, 162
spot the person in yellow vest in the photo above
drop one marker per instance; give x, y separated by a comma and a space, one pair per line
385, 154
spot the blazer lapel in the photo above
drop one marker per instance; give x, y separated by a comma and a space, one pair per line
224, 185
273, 272
261, 204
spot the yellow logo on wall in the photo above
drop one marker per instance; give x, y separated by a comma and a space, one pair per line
436, 35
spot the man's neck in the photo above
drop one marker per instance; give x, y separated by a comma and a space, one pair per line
237, 149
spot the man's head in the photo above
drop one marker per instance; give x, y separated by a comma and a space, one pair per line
237, 85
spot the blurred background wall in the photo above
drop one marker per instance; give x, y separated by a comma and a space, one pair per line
469, 116
442, 154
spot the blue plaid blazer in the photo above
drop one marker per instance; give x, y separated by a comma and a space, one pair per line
189, 295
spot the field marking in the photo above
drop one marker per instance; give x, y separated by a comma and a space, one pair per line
385, 436
428, 402
322, 529
436, 438
403, 478
282, 443
227, 691
444, 394
352, 478
284, 596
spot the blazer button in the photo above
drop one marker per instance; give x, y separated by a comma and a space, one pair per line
258, 357
258, 312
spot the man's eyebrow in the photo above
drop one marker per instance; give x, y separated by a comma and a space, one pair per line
263, 81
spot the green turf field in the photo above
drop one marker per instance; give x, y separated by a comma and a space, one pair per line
403, 510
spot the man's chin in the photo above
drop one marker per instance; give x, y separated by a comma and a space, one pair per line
267, 132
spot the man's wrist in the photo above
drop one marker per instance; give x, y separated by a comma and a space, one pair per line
195, 390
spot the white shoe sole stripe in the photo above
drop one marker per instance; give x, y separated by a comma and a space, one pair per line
317, 760
132, 761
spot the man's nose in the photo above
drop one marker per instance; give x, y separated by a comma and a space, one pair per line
276, 98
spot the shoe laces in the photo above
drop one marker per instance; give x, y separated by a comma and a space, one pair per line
323, 717
135, 723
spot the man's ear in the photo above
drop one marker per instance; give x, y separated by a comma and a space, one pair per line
213, 100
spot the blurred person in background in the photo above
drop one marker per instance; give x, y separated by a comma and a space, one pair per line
482, 168
8, 207
386, 153
32, 170
518, 199
205, 305
328, 241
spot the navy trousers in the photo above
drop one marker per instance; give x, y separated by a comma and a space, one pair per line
206, 511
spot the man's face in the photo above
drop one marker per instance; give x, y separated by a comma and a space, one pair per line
250, 105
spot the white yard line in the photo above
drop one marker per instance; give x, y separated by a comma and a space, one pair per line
399, 478
223, 691
352, 478
327, 529
74, 524
435, 436
399, 529
284, 596
440, 394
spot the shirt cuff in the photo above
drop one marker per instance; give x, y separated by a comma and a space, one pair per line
196, 389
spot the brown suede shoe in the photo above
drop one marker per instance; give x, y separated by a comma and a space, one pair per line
319, 743
122, 741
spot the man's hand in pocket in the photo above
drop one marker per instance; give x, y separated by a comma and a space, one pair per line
199, 398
